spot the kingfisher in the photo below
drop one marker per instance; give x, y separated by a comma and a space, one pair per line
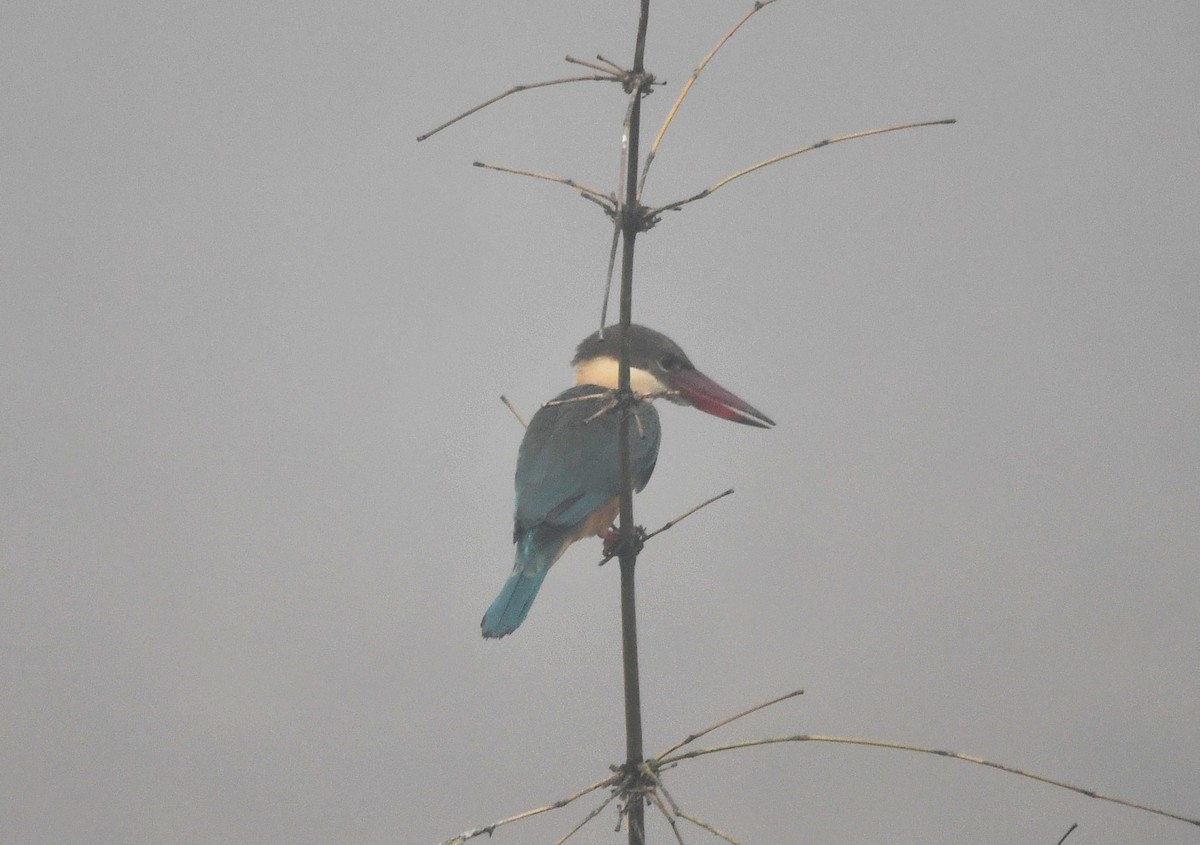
568, 478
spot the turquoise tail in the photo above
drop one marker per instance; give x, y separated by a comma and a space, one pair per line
511, 607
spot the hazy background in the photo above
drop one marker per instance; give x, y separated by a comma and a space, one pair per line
255, 481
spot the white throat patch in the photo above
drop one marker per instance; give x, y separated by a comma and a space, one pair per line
603, 371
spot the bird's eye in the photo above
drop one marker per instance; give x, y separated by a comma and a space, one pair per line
669, 363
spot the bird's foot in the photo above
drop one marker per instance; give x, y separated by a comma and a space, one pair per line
613, 546
612, 539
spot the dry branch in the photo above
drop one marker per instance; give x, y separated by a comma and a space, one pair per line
673, 522
655, 212
611, 780
591, 815
1068, 833
612, 263
709, 828
594, 193
516, 89
657, 801
688, 87
676, 812
611, 70
690, 738
635, 83
512, 408
615, 67
898, 746
633, 784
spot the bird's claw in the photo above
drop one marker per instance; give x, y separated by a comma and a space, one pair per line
612, 541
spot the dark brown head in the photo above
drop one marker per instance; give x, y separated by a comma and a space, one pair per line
657, 366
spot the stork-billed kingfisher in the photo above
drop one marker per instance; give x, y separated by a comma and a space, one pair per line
568, 480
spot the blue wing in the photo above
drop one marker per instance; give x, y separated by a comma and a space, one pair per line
566, 471
567, 466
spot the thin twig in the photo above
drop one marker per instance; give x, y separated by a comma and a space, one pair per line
624, 208
688, 87
634, 99
600, 393
672, 523
616, 67
709, 828
608, 204
514, 411
637, 418
516, 89
1068, 833
570, 183
657, 801
851, 137
545, 808
612, 263
604, 409
877, 743
674, 805
601, 68
611, 404
662, 787
595, 812
690, 738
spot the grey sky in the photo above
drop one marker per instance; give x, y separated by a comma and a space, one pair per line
256, 482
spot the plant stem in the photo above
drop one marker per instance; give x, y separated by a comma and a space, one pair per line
629, 647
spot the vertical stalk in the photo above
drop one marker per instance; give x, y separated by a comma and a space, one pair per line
630, 220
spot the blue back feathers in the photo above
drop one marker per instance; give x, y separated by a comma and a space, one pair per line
567, 465
566, 470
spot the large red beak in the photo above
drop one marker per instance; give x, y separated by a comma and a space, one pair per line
702, 392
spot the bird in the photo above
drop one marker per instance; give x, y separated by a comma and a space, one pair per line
568, 479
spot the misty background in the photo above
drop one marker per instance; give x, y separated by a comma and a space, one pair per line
256, 482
